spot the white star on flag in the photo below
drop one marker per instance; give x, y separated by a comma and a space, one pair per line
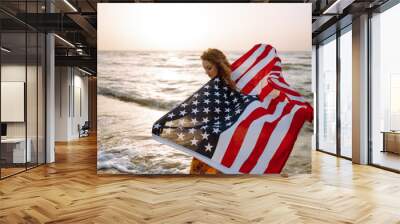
208, 147
205, 135
181, 122
181, 136
194, 121
194, 141
204, 127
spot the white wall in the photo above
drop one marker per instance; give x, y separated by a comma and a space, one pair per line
12, 73
62, 81
33, 126
70, 83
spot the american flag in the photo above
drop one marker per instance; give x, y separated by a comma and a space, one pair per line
249, 130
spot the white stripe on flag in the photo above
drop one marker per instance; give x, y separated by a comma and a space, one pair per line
263, 82
255, 69
247, 63
274, 75
225, 137
273, 144
290, 96
296, 98
253, 134
283, 85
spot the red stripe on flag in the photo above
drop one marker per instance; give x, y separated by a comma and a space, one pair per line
265, 92
239, 61
281, 155
282, 80
276, 68
256, 79
264, 54
262, 141
241, 130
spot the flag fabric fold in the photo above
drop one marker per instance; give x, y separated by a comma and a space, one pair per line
252, 130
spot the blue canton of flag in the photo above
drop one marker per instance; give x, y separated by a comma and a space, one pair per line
196, 124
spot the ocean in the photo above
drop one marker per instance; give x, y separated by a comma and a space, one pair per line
135, 88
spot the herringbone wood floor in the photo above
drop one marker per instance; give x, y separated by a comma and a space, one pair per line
69, 191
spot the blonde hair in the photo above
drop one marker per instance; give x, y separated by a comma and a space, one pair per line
219, 59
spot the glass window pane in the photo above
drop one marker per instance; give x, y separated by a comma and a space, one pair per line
327, 97
13, 86
345, 94
385, 84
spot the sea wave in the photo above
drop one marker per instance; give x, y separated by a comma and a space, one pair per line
155, 103
131, 160
300, 67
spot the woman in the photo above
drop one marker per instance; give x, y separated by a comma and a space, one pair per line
214, 63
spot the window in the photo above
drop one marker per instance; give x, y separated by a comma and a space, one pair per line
346, 93
327, 96
22, 88
385, 89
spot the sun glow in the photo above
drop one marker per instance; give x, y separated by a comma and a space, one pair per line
198, 26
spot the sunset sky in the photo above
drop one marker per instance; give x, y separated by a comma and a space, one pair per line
197, 26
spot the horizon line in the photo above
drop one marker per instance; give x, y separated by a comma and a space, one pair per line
120, 50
